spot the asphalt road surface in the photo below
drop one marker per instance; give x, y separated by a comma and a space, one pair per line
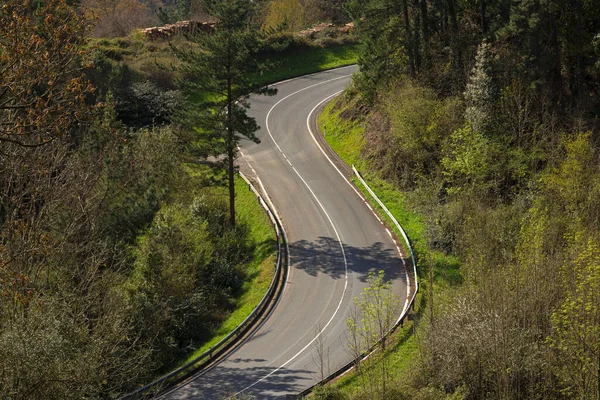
334, 241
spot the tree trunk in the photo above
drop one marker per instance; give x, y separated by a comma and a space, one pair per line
431, 276
411, 61
456, 44
482, 16
425, 25
452, 15
417, 37
230, 152
231, 173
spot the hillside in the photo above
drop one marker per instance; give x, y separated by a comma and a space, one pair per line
119, 252
480, 120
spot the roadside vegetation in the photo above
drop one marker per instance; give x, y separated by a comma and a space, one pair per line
119, 257
260, 270
477, 125
438, 271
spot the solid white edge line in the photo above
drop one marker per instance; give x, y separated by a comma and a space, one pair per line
405, 236
271, 311
323, 151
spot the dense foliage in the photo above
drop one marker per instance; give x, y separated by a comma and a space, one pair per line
485, 114
117, 257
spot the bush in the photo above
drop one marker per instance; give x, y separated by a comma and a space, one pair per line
188, 266
144, 104
138, 178
420, 123
328, 393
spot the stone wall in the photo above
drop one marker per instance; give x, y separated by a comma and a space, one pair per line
178, 28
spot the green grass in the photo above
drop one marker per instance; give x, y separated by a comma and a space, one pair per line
260, 269
346, 137
401, 356
143, 57
304, 60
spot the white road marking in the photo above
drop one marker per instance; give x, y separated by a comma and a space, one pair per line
290, 95
321, 148
265, 318
327, 215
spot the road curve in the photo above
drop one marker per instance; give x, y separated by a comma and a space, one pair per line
334, 241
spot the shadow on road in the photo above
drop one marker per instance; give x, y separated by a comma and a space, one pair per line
227, 381
325, 256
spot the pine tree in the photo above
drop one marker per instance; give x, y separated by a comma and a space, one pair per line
384, 43
218, 78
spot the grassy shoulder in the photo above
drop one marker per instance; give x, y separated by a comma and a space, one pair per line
197, 276
308, 59
259, 270
122, 62
346, 137
155, 61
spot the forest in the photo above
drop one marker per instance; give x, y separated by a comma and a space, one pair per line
483, 116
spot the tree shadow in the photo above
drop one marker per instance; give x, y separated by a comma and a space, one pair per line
299, 60
226, 380
324, 256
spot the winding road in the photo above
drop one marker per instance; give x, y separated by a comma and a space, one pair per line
334, 241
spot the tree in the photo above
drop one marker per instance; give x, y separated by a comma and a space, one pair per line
42, 87
61, 305
420, 123
375, 314
479, 95
386, 43
513, 191
468, 161
218, 77
320, 354
285, 12
576, 323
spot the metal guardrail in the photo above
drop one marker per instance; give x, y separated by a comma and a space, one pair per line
366, 354
395, 221
230, 340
